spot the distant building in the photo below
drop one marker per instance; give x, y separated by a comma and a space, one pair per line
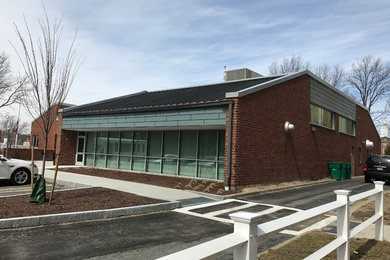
385, 140
385, 143
242, 131
384, 129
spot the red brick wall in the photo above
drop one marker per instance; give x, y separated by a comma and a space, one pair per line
262, 152
68, 147
25, 154
55, 130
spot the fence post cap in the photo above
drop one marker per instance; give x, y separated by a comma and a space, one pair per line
343, 192
244, 217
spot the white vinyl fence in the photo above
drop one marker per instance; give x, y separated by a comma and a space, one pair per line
246, 233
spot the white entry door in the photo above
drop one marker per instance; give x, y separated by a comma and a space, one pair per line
80, 154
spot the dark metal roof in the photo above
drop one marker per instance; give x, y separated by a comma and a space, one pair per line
167, 99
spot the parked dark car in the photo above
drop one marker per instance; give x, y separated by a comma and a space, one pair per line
377, 168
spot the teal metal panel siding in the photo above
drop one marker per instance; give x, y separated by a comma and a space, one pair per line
213, 116
330, 99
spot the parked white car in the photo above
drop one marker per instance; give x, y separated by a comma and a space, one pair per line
17, 171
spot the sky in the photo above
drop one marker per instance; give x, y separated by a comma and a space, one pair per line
129, 46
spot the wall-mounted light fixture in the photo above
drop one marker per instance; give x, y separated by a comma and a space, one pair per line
369, 144
288, 127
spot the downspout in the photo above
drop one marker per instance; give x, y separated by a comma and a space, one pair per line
229, 148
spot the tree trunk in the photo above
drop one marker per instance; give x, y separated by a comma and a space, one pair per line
44, 155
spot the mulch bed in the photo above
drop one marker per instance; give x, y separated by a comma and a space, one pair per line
208, 186
71, 201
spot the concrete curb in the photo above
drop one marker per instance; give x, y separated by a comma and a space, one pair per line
68, 183
86, 215
236, 195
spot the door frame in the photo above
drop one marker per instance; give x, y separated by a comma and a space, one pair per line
80, 135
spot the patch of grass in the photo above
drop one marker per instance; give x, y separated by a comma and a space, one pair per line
303, 246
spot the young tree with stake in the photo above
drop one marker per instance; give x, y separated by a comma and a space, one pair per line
49, 76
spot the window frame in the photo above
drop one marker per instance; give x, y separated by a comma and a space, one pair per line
319, 123
35, 141
353, 126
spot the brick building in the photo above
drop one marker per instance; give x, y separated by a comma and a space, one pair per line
37, 133
242, 131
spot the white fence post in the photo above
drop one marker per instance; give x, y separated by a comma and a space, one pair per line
343, 223
245, 224
379, 228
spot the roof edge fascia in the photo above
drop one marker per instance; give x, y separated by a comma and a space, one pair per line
271, 83
253, 89
145, 109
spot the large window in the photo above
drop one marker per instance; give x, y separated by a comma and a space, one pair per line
346, 126
321, 116
192, 153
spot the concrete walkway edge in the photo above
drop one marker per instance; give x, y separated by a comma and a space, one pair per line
86, 215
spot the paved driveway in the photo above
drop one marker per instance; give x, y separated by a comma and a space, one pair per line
140, 237
312, 195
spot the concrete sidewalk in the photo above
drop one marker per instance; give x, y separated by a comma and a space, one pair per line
146, 190
369, 233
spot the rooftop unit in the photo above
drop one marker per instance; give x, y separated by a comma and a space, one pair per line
237, 74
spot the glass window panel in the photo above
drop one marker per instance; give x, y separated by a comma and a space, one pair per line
221, 145
113, 143
124, 162
221, 171
91, 138
208, 145
112, 162
346, 126
187, 168
79, 158
101, 142
154, 143
139, 143
321, 116
89, 160
206, 169
153, 165
169, 166
100, 161
138, 164
171, 142
188, 143
126, 143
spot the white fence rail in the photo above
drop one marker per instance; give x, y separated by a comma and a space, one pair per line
244, 239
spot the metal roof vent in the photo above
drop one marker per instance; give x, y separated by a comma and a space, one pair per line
237, 74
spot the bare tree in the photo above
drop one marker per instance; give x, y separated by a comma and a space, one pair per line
48, 76
10, 87
12, 122
333, 75
369, 79
293, 64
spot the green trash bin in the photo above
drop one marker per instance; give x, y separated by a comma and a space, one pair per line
335, 170
343, 171
348, 170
